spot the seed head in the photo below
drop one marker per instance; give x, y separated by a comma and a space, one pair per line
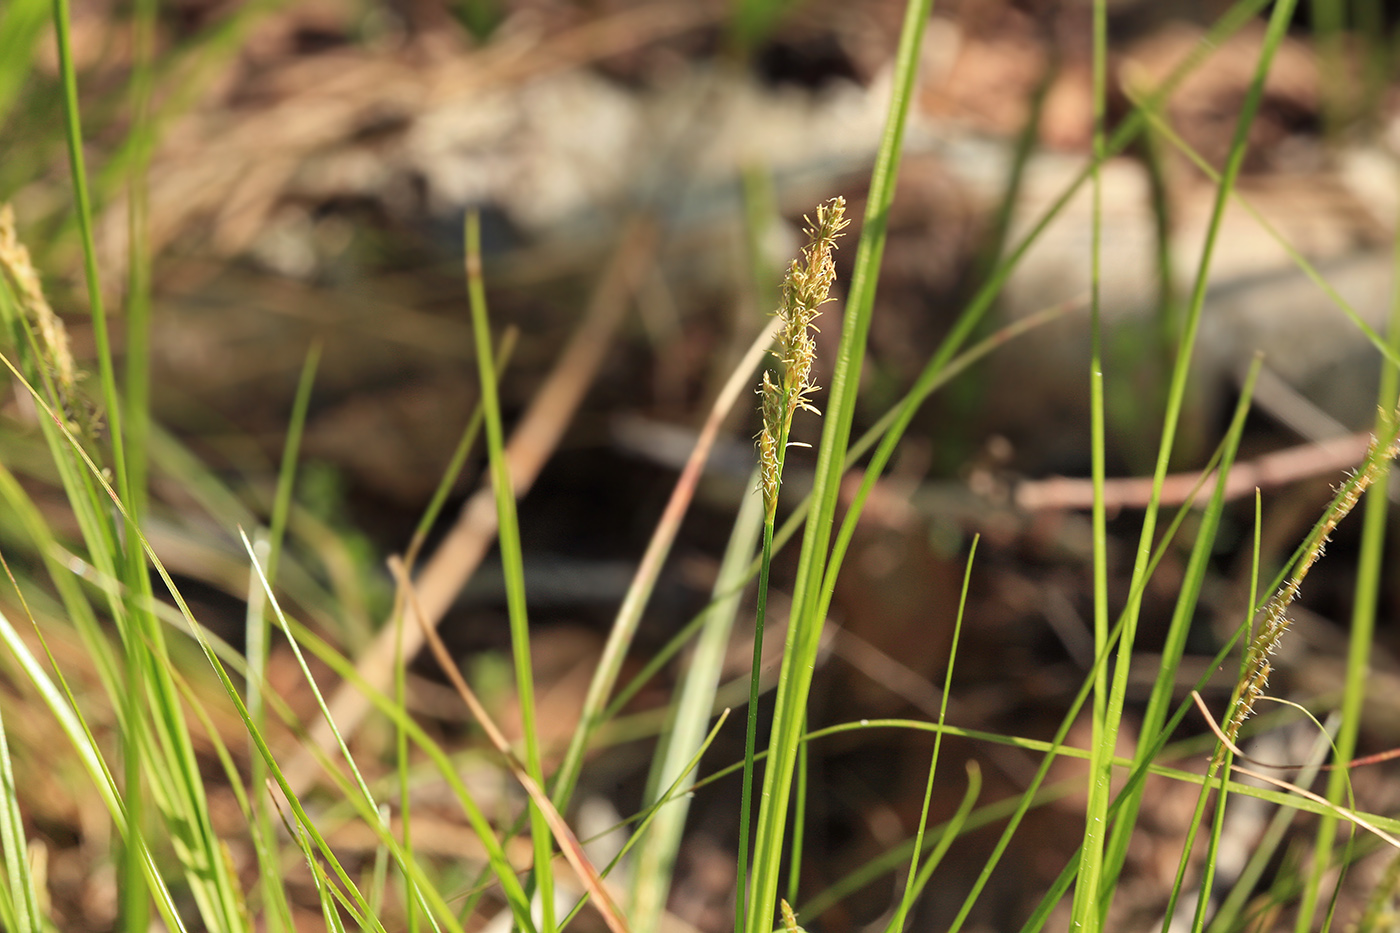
54, 352
806, 287
1276, 621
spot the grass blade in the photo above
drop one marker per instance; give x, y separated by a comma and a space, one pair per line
911, 885
512, 566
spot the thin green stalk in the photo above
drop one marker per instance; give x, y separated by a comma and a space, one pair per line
1072, 868
512, 565
629, 614
187, 817
83, 210
138, 296
410, 900
433, 511
133, 897
1257, 647
277, 911
355, 797
1084, 914
1203, 891
669, 799
72, 724
519, 904
135, 908
751, 727
911, 885
934, 372
799, 820
1151, 110
420, 535
984, 816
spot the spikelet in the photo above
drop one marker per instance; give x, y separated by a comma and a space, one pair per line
1275, 621
789, 918
806, 287
54, 351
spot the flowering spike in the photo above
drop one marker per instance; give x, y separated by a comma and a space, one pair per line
1276, 622
806, 287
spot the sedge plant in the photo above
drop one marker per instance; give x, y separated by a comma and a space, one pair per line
806, 287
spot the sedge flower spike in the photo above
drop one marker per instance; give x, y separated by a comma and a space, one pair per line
1276, 622
51, 338
806, 287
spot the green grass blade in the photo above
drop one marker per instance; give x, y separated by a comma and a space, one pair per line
945, 838
934, 372
1212, 854
240, 707
1162, 128
1056, 747
271, 598
1228, 916
786, 723
135, 909
352, 794
859, 448
458, 459
911, 889
1086, 891
512, 565
629, 614
259, 631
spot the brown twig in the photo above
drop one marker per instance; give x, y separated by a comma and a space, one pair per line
1275, 469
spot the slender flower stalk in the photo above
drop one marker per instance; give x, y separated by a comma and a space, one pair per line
806, 287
